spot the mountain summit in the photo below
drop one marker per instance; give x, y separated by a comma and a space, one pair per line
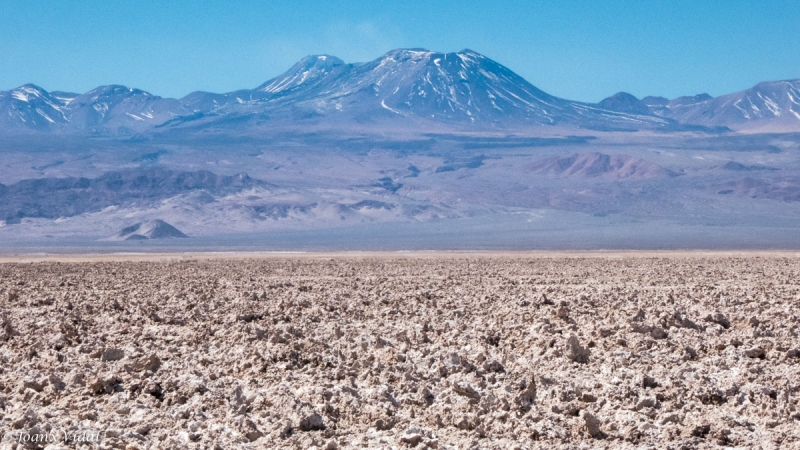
462, 87
31, 107
307, 72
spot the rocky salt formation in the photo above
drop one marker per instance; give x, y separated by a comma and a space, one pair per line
380, 353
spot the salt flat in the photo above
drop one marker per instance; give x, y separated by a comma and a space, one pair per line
402, 349
152, 256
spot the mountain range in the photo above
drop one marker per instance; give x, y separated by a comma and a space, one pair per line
416, 149
772, 106
410, 88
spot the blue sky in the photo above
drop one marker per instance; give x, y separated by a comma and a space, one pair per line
581, 50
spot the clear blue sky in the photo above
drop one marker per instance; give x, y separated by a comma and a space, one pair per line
581, 50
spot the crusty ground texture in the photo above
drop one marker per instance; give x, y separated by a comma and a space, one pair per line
398, 352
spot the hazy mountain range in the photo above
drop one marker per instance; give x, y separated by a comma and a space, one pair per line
415, 149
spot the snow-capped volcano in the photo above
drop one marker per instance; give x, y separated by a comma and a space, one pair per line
462, 87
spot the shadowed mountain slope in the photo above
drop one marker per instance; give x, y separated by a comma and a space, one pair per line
63, 197
592, 165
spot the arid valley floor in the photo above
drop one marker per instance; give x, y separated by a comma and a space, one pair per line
399, 351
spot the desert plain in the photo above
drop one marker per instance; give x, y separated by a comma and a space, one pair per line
394, 350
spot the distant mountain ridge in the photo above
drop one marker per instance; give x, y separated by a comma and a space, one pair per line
110, 109
404, 87
769, 106
63, 197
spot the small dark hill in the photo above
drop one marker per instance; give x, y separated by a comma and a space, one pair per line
152, 229
625, 103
